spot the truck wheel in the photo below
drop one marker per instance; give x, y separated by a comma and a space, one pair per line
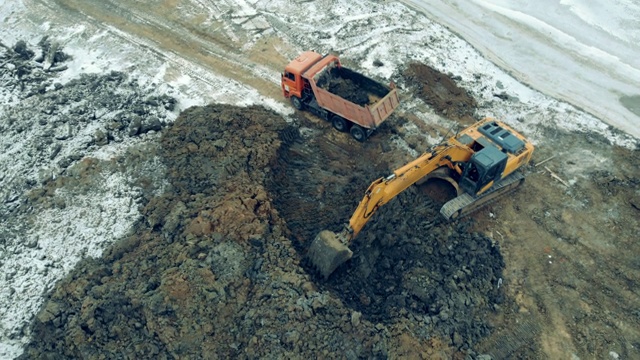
339, 123
358, 133
296, 102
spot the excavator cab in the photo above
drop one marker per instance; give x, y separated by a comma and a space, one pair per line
485, 167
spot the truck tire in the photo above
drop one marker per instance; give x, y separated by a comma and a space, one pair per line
297, 103
358, 133
339, 123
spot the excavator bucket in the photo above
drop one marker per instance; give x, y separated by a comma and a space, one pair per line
327, 252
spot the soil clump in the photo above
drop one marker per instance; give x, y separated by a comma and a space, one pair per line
352, 86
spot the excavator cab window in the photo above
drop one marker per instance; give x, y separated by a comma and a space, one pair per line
472, 177
476, 146
484, 166
473, 173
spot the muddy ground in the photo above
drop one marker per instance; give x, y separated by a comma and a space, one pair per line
216, 267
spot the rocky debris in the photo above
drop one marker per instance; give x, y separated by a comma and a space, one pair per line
51, 178
408, 265
209, 271
27, 64
67, 121
51, 55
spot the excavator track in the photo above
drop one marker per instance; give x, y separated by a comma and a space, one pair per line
465, 204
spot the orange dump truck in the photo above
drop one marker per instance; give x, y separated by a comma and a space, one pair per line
350, 100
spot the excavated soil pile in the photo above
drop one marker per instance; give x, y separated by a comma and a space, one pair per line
208, 272
408, 267
441, 92
352, 86
213, 269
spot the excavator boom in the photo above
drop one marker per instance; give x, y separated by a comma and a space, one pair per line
384, 190
329, 250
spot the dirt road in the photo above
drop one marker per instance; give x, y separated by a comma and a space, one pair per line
562, 274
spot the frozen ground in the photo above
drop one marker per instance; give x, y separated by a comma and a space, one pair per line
34, 257
580, 51
361, 31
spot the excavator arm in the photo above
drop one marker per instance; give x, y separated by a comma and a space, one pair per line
384, 190
329, 250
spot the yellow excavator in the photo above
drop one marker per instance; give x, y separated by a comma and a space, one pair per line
479, 162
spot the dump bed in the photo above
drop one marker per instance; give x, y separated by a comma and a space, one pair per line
350, 94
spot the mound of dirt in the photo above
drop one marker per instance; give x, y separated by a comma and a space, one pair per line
441, 92
352, 86
208, 272
213, 269
347, 89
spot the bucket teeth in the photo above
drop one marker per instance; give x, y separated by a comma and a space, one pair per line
327, 253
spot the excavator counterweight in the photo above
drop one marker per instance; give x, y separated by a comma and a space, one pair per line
480, 162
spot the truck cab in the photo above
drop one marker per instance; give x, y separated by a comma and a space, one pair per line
292, 82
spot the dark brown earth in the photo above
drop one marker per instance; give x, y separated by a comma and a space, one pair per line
352, 86
441, 92
216, 268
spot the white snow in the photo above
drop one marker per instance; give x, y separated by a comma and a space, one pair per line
557, 57
584, 52
85, 227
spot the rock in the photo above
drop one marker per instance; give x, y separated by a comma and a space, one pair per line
291, 337
100, 138
174, 218
355, 318
134, 126
220, 144
151, 123
63, 132
21, 48
55, 150
49, 312
10, 275
457, 339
